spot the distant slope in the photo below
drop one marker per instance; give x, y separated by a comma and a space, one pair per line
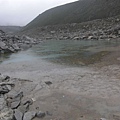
76, 12
10, 29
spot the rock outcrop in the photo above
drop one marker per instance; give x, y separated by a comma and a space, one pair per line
13, 102
13, 43
101, 29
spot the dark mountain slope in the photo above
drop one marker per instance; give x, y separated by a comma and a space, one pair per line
76, 12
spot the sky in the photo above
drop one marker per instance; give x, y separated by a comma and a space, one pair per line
21, 12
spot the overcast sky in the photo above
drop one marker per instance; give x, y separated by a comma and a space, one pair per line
21, 12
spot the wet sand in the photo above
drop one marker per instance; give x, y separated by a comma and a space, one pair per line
76, 93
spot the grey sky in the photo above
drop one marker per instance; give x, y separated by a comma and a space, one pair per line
21, 12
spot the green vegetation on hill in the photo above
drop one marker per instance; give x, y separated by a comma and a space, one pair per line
76, 12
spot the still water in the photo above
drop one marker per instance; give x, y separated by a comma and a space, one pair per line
63, 52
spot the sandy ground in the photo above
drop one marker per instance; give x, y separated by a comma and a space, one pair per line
76, 93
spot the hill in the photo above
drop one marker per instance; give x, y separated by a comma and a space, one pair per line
10, 29
77, 12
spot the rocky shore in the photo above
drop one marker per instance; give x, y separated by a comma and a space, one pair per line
101, 29
14, 105
14, 43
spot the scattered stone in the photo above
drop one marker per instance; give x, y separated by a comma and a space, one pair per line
29, 115
6, 114
40, 114
48, 82
18, 115
13, 43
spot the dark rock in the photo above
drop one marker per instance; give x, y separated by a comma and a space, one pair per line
48, 82
7, 77
18, 115
3, 89
29, 115
6, 114
7, 83
40, 114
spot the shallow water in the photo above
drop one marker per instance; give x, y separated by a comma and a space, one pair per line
63, 52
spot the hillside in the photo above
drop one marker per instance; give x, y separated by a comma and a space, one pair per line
10, 29
76, 12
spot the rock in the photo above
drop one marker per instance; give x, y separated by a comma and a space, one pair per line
90, 37
3, 89
7, 83
118, 32
19, 95
15, 47
15, 95
18, 115
103, 119
9, 87
4, 78
6, 114
2, 102
29, 115
15, 104
23, 108
27, 101
116, 116
3, 45
48, 82
40, 114
76, 38
48, 113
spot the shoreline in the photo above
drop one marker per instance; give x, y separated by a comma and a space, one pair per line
83, 93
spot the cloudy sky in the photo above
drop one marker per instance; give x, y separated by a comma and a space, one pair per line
21, 12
